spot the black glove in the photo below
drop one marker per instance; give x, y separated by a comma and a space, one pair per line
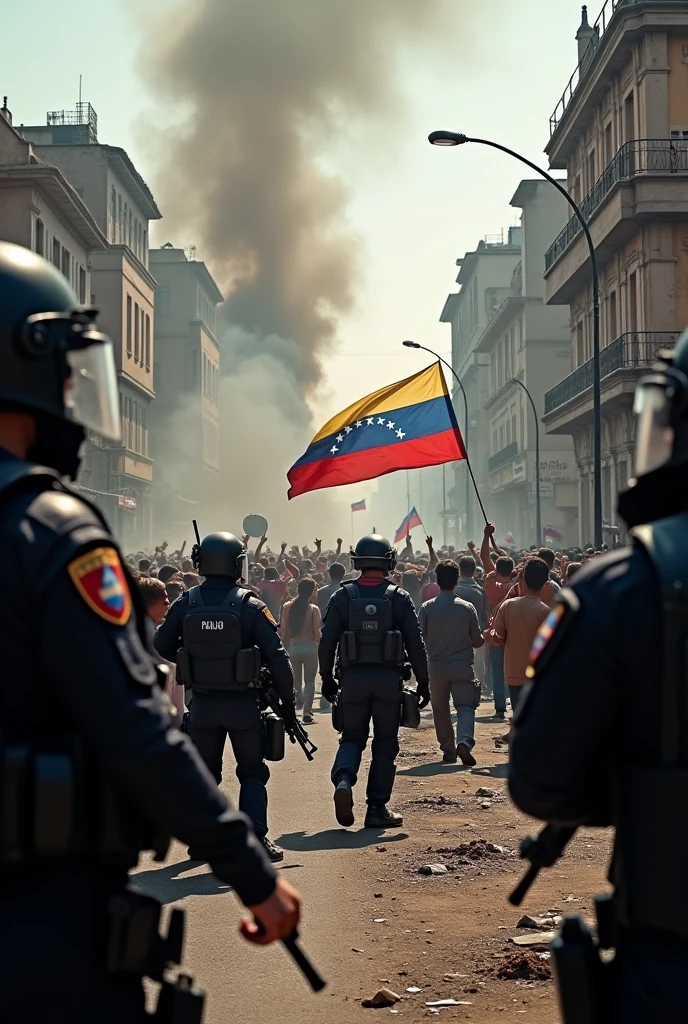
289, 713
423, 694
329, 690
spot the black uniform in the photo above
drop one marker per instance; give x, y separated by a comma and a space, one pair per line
588, 750
92, 765
370, 684
221, 706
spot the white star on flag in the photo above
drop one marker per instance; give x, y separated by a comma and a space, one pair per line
390, 425
334, 449
340, 438
359, 423
381, 421
400, 434
370, 420
348, 430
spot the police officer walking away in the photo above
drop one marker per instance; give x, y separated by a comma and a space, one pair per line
602, 737
220, 634
370, 627
92, 766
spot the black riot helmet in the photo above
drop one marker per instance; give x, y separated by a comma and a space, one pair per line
374, 552
660, 484
222, 554
54, 364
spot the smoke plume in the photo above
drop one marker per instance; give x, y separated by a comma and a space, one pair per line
263, 87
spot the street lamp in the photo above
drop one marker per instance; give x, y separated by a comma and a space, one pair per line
415, 344
538, 510
457, 139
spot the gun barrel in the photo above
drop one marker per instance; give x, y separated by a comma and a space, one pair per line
312, 976
198, 536
517, 897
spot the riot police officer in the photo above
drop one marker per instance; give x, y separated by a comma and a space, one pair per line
220, 634
602, 736
91, 766
370, 627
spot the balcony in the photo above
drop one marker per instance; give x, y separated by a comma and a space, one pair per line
636, 351
641, 157
503, 457
600, 28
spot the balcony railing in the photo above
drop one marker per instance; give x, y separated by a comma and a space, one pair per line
503, 457
642, 156
600, 29
629, 351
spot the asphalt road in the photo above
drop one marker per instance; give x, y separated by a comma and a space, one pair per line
331, 868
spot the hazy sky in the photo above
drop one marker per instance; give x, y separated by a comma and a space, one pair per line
415, 207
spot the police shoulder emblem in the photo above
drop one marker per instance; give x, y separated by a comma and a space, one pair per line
544, 639
268, 615
99, 578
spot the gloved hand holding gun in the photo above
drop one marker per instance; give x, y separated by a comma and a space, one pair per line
268, 697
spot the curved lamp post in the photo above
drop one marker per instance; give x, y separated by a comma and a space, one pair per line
538, 510
457, 139
469, 474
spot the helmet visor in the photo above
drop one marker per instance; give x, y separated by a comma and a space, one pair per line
243, 566
654, 435
91, 393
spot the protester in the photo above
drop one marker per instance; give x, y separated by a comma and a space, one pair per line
452, 633
300, 629
336, 574
571, 570
516, 623
155, 605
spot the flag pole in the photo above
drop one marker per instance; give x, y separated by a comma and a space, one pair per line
352, 527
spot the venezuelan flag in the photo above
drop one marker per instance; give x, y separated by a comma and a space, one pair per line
407, 425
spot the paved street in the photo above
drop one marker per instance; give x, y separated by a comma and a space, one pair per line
326, 864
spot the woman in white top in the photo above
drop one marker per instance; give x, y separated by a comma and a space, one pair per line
300, 631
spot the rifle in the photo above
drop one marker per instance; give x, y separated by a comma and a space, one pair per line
268, 697
196, 549
542, 851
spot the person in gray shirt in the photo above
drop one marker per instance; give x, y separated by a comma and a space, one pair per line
452, 632
337, 573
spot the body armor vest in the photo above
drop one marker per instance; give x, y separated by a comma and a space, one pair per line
57, 802
216, 660
651, 824
371, 638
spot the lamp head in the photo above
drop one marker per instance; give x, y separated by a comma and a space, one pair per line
410, 344
447, 139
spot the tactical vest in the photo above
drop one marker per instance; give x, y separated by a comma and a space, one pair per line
57, 803
370, 638
651, 852
216, 660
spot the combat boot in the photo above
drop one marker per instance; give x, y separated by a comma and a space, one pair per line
273, 852
379, 816
344, 803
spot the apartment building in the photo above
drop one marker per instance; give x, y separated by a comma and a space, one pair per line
620, 131
485, 276
528, 346
123, 290
186, 412
40, 210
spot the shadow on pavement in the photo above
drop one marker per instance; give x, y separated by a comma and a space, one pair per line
172, 882
338, 839
436, 768
496, 771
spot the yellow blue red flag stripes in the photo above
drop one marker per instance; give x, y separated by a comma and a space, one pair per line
407, 425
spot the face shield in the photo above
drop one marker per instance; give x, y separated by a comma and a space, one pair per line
243, 565
654, 434
91, 393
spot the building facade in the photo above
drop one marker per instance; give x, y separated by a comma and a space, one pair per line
186, 411
485, 277
620, 131
528, 342
120, 478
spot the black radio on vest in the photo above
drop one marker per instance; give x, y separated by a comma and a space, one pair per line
212, 658
371, 638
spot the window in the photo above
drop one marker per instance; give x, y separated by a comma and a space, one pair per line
120, 221
613, 326
577, 189
629, 117
148, 343
508, 431
513, 428
113, 214
633, 302
137, 333
144, 427
66, 263
145, 247
522, 424
130, 234
580, 350
678, 133
502, 435
57, 253
129, 326
608, 154
592, 165
40, 237
82, 286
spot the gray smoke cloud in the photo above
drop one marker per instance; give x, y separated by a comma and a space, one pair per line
263, 87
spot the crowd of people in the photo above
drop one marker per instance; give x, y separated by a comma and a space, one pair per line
480, 610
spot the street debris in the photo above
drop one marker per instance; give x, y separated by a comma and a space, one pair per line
383, 997
449, 1002
476, 849
414, 989
489, 793
544, 922
485, 805
355, 950
437, 801
379, 920
522, 965
433, 869
538, 941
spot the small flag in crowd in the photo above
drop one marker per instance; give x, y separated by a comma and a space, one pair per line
551, 531
407, 425
359, 506
410, 521
608, 527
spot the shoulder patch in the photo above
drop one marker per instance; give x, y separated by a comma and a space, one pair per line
544, 638
268, 615
99, 578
